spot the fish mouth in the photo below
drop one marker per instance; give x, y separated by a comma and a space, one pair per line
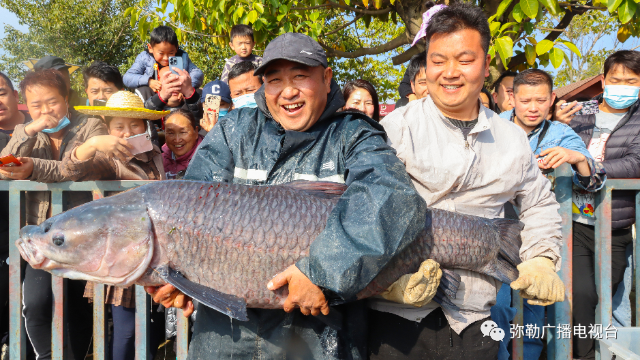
30, 253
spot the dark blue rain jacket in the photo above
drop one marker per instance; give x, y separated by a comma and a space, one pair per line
379, 214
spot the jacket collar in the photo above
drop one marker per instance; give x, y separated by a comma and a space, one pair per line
335, 102
484, 115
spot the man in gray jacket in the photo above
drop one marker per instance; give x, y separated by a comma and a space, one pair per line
462, 157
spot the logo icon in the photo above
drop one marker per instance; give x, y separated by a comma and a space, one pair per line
491, 329
305, 52
328, 166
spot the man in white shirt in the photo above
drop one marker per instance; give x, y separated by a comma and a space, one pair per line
462, 157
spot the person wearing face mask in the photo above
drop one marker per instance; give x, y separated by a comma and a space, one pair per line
613, 138
243, 84
40, 146
210, 117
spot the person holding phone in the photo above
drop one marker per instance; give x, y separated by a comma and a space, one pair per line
177, 92
116, 157
40, 146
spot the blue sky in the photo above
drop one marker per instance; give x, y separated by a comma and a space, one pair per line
9, 18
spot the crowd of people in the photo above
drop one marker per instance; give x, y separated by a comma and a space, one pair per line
450, 144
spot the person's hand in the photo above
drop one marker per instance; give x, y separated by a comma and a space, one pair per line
155, 85
303, 293
539, 282
557, 156
566, 115
416, 289
170, 85
209, 120
21, 172
169, 296
412, 97
186, 88
112, 146
45, 121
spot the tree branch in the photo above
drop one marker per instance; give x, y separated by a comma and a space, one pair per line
402, 39
552, 36
358, 17
348, 8
407, 55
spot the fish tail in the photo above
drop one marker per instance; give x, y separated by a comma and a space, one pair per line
502, 269
443, 300
510, 240
449, 283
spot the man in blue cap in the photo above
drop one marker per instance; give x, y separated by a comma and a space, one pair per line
210, 114
297, 132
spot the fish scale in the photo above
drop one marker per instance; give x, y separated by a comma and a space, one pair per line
236, 238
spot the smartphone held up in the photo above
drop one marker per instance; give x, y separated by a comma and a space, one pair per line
588, 107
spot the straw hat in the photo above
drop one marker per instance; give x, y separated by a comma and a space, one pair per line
123, 104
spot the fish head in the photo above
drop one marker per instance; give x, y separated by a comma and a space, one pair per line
103, 241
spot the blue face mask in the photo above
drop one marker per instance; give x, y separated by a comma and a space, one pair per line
620, 96
247, 100
222, 113
63, 123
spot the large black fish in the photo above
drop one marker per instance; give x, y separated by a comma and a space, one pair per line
222, 243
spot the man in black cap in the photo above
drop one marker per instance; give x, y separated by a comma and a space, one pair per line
54, 62
298, 133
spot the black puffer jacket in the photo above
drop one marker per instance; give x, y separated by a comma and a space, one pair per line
621, 159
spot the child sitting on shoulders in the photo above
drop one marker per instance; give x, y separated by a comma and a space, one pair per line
162, 45
242, 43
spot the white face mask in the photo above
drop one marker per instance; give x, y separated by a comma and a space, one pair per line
246, 100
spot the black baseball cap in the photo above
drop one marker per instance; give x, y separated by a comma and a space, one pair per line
294, 47
51, 62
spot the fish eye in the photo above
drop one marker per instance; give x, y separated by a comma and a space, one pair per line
58, 240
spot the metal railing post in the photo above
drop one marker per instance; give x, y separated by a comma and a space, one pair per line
560, 313
59, 293
143, 309
603, 260
182, 336
99, 314
17, 338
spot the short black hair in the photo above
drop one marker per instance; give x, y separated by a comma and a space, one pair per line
352, 85
456, 17
627, 58
242, 68
533, 77
164, 34
241, 31
505, 74
7, 80
417, 63
103, 71
45, 77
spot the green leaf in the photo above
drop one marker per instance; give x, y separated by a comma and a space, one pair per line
134, 17
258, 7
612, 5
556, 56
252, 16
626, 11
506, 26
504, 45
624, 33
528, 28
189, 10
572, 47
494, 27
314, 16
530, 54
552, 6
543, 47
517, 13
529, 8
492, 51
502, 7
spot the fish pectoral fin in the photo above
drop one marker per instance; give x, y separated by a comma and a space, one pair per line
230, 305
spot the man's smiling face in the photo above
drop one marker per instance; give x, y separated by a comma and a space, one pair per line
296, 94
456, 68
